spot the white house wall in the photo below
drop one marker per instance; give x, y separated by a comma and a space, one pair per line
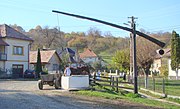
156, 65
54, 60
90, 60
9, 64
172, 72
15, 42
17, 59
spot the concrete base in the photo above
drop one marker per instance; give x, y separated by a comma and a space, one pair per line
75, 82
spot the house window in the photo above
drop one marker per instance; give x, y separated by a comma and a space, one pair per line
18, 50
55, 67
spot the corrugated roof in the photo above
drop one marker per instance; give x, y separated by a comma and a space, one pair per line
9, 32
45, 56
87, 53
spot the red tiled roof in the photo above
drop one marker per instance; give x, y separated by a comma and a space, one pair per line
7, 31
87, 53
45, 56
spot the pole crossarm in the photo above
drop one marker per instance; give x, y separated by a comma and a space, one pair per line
161, 44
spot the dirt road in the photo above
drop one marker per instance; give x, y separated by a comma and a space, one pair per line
18, 94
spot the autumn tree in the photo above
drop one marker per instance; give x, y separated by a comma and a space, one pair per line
146, 51
93, 34
47, 37
78, 42
175, 52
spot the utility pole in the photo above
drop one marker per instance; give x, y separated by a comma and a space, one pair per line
131, 60
133, 26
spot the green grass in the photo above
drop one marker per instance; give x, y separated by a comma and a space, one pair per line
126, 96
108, 92
177, 100
106, 57
172, 87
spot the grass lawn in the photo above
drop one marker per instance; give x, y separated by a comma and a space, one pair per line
109, 93
126, 96
106, 57
172, 87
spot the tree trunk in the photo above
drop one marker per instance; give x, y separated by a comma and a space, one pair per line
145, 78
146, 81
177, 73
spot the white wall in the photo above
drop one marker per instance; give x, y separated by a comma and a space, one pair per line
16, 42
17, 59
8, 65
156, 65
90, 60
54, 60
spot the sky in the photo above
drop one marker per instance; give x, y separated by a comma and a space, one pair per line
152, 15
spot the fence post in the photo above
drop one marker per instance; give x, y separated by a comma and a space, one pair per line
110, 79
94, 78
154, 84
139, 82
163, 86
116, 84
113, 83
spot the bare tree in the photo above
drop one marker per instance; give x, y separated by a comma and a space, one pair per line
145, 54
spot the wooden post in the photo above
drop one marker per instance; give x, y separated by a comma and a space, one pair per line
110, 80
154, 84
163, 85
116, 84
94, 78
113, 83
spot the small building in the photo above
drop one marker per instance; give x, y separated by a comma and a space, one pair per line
88, 56
14, 51
68, 52
165, 59
49, 58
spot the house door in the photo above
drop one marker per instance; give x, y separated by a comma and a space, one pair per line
17, 70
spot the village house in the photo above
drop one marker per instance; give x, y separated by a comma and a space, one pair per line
68, 52
88, 56
49, 58
165, 59
14, 52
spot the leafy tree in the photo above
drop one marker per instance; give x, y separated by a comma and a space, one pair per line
164, 71
175, 52
38, 64
121, 59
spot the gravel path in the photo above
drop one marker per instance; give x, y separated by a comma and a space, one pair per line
18, 94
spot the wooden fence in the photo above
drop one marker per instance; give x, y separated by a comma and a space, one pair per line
115, 82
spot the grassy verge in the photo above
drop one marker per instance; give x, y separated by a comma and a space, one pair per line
126, 96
